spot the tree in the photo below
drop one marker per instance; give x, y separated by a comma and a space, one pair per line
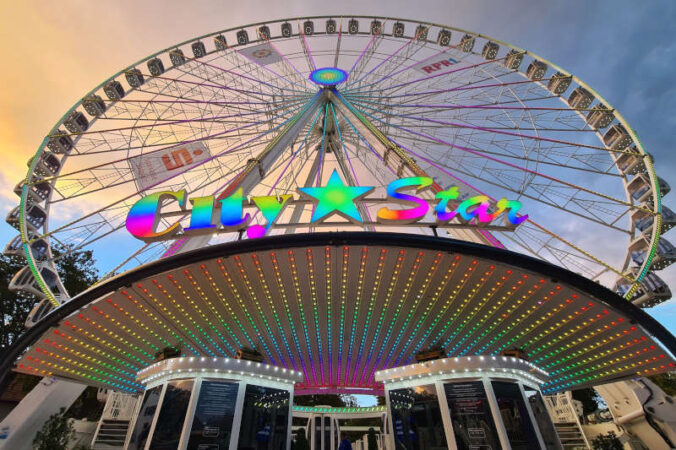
666, 382
55, 433
76, 269
607, 442
589, 399
14, 306
372, 441
320, 399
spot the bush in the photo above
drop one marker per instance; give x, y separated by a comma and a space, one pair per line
55, 433
607, 442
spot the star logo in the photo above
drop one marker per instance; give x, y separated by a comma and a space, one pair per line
335, 197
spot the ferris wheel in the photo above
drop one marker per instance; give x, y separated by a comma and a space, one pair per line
277, 106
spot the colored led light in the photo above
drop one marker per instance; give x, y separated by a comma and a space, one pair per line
328, 76
335, 197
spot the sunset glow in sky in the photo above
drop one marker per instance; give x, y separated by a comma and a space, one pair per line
55, 52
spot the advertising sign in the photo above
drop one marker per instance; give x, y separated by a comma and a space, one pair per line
154, 167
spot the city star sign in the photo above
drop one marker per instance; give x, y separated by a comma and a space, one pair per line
211, 215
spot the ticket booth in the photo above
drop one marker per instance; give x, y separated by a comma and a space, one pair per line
477, 402
213, 404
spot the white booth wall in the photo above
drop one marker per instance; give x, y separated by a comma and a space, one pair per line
218, 403
458, 403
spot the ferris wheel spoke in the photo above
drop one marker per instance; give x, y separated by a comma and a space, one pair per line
168, 122
491, 130
130, 196
390, 59
187, 141
254, 81
508, 164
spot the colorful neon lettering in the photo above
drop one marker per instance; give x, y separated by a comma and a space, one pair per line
334, 198
144, 216
407, 215
231, 210
202, 213
444, 197
270, 206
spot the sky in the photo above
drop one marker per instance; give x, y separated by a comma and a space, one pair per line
54, 52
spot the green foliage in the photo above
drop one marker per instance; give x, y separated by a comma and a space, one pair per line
589, 398
301, 442
14, 306
666, 382
607, 442
86, 406
372, 441
336, 401
55, 433
76, 270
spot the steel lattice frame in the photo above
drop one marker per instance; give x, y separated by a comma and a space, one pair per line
476, 123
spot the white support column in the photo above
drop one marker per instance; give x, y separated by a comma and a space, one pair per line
237, 420
190, 414
157, 414
446, 416
531, 417
495, 411
44, 400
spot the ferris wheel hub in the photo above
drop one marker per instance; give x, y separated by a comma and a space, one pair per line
328, 76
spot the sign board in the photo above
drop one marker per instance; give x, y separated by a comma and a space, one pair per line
262, 54
154, 167
212, 214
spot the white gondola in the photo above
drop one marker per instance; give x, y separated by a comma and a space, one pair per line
60, 142
467, 43
286, 29
156, 67
221, 43
177, 57
308, 27
580, 98
331, 26
263, 33
48, 164
444, 38
35, 217
651, 291
40, 310
114, 90
559, 83
15, 248
134, 77
617, 138
37, 193
600, 116
643, 220
25, 281
536, 70
631, 162
665, 253
76, 122
490, 50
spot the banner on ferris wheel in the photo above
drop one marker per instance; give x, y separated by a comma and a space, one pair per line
212, 214
153, 168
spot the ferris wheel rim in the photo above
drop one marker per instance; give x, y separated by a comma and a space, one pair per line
652, 176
